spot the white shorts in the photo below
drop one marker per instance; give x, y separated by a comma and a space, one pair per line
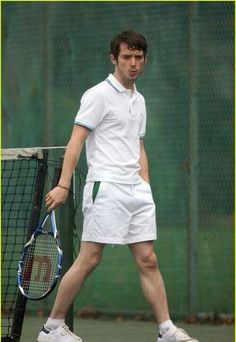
118, 213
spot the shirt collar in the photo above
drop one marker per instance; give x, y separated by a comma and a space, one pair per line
117, 85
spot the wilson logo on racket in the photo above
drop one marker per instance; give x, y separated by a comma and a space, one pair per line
40, 264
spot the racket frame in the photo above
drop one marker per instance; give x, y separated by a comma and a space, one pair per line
38, 231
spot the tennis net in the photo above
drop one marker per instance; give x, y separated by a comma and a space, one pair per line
22, 175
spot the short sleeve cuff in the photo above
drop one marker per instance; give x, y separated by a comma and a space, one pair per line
84, 124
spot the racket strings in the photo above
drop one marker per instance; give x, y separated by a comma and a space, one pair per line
40, 266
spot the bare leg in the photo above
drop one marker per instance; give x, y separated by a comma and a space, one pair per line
87, 260
151, 280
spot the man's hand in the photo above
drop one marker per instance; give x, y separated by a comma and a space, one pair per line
56, 197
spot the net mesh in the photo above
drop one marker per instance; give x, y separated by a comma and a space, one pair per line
62, 49
18, 184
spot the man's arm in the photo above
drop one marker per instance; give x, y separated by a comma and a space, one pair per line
58, 195
143, 161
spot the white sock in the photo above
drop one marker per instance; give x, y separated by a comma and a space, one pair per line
53, 324
164, 326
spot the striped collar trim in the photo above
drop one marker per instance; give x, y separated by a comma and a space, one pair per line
114, 83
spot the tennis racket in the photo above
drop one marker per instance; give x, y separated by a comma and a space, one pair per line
40, 264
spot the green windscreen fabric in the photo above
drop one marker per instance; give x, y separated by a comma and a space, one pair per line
52, 52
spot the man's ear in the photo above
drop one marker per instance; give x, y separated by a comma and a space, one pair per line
113, 60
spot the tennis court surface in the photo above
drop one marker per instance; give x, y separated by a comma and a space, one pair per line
128, 331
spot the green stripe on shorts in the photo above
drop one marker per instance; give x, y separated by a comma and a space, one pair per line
96, 186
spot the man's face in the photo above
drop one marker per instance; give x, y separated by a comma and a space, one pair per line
129, 65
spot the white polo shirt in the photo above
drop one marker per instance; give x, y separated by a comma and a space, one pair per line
117, 120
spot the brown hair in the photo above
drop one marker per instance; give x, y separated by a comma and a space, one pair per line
133, 39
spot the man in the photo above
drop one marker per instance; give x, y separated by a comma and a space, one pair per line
118, 206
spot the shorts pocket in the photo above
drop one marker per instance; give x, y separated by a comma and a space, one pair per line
147, 185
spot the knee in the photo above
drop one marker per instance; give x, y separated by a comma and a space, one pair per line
94, 260
86, 264
147, 261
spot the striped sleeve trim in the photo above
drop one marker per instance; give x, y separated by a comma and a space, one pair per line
84, 124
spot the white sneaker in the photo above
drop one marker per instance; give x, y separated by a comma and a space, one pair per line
61, 334
175, 335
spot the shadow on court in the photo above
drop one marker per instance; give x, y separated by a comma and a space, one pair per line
128, 331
